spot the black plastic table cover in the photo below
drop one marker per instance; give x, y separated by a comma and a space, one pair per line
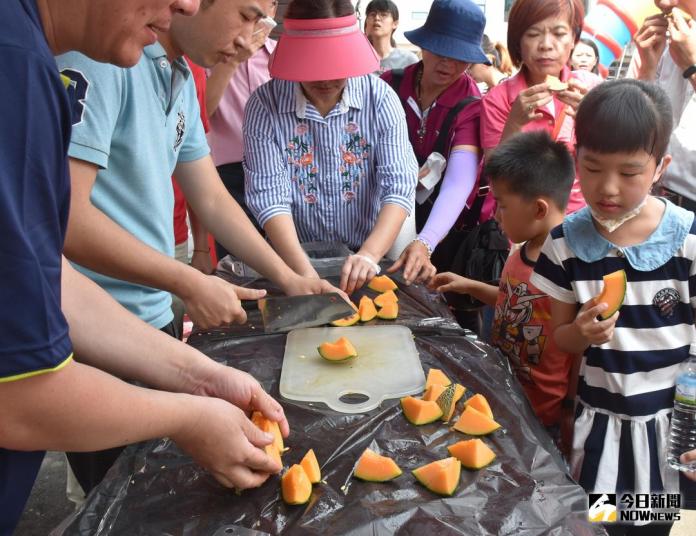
155, 489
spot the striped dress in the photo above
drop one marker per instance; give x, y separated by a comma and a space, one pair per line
332, 174
626, 386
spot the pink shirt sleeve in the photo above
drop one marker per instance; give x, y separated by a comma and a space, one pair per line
495, 109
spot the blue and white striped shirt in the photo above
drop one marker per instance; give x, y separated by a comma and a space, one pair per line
332, 174
626, 386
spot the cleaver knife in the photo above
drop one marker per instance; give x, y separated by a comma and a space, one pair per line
285, 313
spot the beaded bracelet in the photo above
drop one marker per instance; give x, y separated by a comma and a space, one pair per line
425, 243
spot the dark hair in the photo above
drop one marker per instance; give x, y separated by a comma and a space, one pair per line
319, 9
526, 13
498, 54
533, 165
625, 116
384, 6
590, 43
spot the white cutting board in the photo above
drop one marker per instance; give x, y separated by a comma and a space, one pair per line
387, 366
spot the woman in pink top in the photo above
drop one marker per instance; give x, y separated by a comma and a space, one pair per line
541, 37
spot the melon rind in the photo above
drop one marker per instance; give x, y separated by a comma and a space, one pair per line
376, 468
441, 476
347, 321
339, 350
613, 292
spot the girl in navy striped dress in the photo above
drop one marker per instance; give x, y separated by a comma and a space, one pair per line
630, 360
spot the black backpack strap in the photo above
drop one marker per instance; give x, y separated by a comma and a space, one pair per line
397, 78
442, 138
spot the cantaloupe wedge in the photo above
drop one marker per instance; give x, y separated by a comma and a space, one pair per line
385, 298
295, 485
347, 321
555, 84
375, 468
473, 422
436, 376
435, 390
389, 311
419, 411
479, 402
366, 309
382, 283
270, 427
613, 293
441, 476
311, 466
339, 350
473, 453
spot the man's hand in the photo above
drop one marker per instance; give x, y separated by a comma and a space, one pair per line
213, 302
303, 285
596, 332
415, 262
225, 442
450, 282
650, 42
242, 390
682, 47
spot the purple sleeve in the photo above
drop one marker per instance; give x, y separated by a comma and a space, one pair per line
459, 180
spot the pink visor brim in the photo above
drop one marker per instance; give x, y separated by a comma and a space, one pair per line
322, 49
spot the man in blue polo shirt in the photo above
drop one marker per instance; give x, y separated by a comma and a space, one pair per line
49, 400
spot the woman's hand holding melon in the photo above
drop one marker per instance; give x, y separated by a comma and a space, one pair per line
595, 331
525, 105
572, 96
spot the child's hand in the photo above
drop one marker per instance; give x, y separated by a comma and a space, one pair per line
596, 332
449, 282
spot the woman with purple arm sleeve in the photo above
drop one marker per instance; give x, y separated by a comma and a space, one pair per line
431, 92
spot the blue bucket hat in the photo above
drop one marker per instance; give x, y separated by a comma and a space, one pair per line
453, 29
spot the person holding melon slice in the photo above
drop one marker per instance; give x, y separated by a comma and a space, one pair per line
531, 176
632, 346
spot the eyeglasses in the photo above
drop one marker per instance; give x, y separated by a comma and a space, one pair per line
380, 14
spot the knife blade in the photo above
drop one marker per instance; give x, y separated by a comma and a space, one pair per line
285, 313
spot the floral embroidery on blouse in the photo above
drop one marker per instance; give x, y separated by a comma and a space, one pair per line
355, 152
300, 153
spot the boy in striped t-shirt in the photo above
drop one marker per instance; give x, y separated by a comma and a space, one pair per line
531, 176
630, 360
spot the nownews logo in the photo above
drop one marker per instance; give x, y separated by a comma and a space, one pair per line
652, 507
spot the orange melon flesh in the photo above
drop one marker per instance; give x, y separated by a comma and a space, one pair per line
613, 293
339, 350
432, 392
382, 283
295, 485
311, 466
273, 452
441, 476
270, 427
366, 309
473, 422
375, 468
473, 453
479, 402
436, 376
385, 298
347, 321
389, 311
420, 411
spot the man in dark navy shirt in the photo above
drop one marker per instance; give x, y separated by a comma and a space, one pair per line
48, 400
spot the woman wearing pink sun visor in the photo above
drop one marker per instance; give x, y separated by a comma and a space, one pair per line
326, 152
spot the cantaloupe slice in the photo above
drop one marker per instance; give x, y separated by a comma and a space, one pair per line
419, 411
347, 321
311, 466
473, 422
382, 283
555, 84
295, 485
389, 311
274, 453
385, 298
473, 453
339, 350
366, 309
270, 427
613, 293
441, 476
375, 468
479, 402
436, 376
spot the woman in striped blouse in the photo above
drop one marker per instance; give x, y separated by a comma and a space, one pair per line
626, 387
326, 153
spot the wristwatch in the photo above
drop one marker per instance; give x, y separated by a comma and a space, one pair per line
689, 71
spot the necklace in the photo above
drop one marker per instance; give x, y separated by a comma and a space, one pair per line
422, 130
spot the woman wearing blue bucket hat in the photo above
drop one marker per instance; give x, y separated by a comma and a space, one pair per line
438, 95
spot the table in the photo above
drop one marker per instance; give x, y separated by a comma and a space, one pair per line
154, 489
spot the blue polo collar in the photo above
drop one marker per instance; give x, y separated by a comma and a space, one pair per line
589, 246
